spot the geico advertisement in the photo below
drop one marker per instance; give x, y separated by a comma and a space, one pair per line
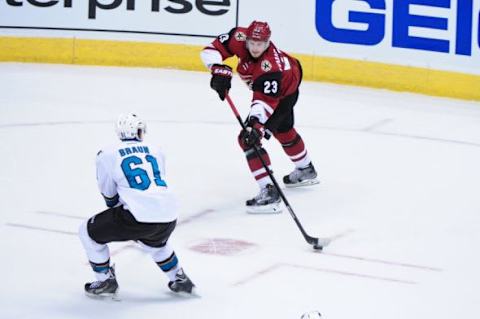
444, 31
164, 17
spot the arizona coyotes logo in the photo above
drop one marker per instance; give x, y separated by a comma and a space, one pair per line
266, 65
240, 36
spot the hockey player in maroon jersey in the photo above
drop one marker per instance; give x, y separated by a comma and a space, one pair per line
274, 77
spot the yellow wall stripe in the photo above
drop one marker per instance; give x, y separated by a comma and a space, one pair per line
186, 57
393, 77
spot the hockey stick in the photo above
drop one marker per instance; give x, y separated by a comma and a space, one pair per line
317, 243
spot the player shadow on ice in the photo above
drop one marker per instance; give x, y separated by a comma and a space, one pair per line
88, 307
292, 191
155, 298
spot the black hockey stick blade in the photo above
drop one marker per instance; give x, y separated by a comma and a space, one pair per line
318, 243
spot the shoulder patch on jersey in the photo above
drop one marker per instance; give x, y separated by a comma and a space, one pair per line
223, 37
240, 36
266, 65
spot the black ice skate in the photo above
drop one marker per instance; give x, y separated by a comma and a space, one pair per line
182, 283
101, 289
266, 202
301, 177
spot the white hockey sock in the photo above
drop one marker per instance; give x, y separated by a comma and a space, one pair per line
97, 253
303, 162
165, 258
171, 273
264, 181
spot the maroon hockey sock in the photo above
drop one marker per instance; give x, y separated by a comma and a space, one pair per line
292, 144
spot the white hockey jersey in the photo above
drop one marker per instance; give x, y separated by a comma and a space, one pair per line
134, 172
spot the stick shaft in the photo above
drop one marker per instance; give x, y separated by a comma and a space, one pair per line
308, 238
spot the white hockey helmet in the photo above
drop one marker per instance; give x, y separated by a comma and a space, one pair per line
130, 127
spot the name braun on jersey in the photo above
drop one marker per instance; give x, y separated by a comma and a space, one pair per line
134, 149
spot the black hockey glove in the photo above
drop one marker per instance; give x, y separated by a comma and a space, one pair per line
253, 133
221, 79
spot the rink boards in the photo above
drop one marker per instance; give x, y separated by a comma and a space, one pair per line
429, 47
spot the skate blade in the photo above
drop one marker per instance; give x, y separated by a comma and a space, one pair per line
307, 182
265, 209
184, 294
105, 296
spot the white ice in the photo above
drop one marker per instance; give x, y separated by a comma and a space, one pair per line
399, 196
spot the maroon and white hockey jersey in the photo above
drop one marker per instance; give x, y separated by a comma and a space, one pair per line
271, 77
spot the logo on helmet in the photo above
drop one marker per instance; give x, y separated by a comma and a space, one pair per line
259, 31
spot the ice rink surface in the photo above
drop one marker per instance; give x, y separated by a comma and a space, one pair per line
399, 197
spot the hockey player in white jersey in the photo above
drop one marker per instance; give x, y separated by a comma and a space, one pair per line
131, 178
